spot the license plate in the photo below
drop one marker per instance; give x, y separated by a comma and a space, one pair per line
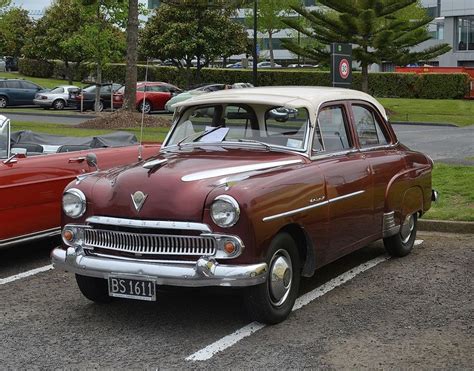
131, 288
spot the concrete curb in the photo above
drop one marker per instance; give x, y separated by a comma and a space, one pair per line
442, 124
445, 226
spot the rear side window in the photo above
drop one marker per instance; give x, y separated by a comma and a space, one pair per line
333, 129
2, 84
13, 84
28, 85
368, 128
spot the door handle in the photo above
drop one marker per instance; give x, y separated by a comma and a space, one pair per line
77, 160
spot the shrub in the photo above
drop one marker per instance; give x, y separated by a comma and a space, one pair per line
387, 85
35, 67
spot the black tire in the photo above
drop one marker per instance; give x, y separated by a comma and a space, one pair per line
261, 302
101, 107
402, 243
59, 104
144, 106
94, 289
3, 101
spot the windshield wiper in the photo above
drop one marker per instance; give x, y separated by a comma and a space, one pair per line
256, 142
203, 134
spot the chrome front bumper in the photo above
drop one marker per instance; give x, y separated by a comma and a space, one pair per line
205, 272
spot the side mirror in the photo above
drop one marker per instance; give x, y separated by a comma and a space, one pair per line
91, 160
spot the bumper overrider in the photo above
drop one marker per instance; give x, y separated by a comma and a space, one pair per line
80, 258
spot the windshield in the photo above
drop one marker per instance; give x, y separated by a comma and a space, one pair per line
4, 137
257, 124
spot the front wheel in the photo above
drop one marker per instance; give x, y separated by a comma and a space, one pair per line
3, 101
271, 302
402, 243
94, 289
59, 104
144, 106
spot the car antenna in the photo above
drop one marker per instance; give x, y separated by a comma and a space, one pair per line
140, 148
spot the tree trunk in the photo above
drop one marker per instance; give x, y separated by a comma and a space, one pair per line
270, 47
68, 72
98, 82
131, 68
365, 77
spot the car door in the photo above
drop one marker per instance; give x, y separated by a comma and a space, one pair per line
349, 188
159, 95
31, 190
29, 91
15, 92
376, 143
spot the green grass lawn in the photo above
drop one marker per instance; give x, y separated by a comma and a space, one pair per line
45, 83
149, 134
459, 111
455, 185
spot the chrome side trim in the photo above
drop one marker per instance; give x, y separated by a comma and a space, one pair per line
390, 228
237, 169
292, 212
345, 196
157, 224
296, 211
30, 237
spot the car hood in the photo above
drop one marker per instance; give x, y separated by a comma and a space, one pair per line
176, 184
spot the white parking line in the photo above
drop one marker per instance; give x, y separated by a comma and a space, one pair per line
229, 340
19, 276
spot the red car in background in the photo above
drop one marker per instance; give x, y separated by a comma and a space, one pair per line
151, 96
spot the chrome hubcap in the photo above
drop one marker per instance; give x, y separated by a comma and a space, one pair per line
146, 107
3, 102
407, 228
281, 274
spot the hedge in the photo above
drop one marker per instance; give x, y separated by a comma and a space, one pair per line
386, 85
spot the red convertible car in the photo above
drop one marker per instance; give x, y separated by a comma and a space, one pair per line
35, 168
252, 188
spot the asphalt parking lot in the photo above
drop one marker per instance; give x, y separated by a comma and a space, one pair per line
364, 310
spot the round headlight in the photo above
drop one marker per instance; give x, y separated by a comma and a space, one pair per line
225, 211
74, 203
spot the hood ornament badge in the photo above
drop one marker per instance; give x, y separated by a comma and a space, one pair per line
138, 199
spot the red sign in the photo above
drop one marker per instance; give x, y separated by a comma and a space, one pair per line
344, 68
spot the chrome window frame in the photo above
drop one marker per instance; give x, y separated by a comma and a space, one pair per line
7, 124
305, 151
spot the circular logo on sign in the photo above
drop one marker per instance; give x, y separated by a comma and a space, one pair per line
344, 68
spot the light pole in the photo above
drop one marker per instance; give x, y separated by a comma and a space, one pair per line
254, 51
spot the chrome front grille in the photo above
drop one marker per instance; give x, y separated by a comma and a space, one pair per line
149, 244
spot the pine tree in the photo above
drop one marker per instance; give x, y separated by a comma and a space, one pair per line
379, 30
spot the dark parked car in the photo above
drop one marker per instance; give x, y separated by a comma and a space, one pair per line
106, 91
252, 188
15, 92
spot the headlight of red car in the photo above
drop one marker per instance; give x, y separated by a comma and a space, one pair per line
225, 211
74, 203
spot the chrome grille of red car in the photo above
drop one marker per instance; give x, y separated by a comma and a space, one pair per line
149, 244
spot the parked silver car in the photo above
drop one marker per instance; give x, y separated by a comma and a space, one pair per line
2, 65
56, 98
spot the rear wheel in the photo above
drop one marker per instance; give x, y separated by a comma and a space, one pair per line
100, 107
271, 302
59, 104
144, 106
94, 289
3, 101
402, 243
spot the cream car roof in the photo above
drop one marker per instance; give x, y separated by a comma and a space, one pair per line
286, 96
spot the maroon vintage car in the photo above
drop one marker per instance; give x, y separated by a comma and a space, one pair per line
252, 188
35, 168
